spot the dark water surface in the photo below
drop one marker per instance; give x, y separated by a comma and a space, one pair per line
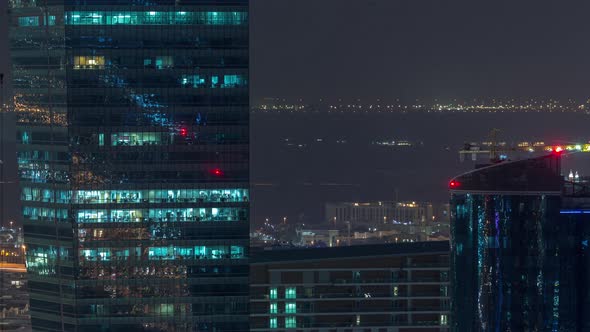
293, 181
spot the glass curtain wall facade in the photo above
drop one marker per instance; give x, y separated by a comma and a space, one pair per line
133, 161
517, 264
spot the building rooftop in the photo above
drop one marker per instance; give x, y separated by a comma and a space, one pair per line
372, 250
539, 175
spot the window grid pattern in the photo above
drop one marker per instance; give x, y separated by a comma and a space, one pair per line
156, 18
133, 166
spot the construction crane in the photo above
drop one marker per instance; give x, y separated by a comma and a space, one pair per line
495, 150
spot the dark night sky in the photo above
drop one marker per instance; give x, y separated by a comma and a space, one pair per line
426, 48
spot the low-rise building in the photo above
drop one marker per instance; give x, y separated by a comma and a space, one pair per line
319, 237
14, 298
376, 288
378, 213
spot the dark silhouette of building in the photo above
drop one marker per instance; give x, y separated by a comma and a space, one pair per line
386, 287
519, 242
132, 140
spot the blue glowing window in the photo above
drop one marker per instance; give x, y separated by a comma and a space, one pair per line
214, 81
290, 322
50, 20
194, 81
26, 138
273, 323
155, 18
232, 81
28, 21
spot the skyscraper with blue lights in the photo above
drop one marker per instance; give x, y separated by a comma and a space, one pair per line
133, 160
520, 259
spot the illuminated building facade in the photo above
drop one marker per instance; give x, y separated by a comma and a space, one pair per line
378, 213
133, 161
376, 288
14, 302
519, 248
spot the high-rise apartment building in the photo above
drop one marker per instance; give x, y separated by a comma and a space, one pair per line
133, 162
519, 248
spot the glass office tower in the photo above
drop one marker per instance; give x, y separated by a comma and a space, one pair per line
519, 257
133, 162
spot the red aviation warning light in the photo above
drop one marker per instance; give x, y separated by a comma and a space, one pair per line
454, 184
183, 132
217, 172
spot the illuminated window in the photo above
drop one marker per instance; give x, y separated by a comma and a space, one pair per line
89, 62
194, 81
121, 18
35, 213
214, 81
26, 138
163, 62
166, 309
104, 254
222, 18
273, 293
183, 18
444, 320
165, 196
152, 17
395, 291
233, 81
28, 21
155, 18
50, 20
100, 139
273, 324
85, 18
164, 215
290, 322
358, 320
138, 138
213, 17
290, 308
290, 293
273, 308
237, 251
